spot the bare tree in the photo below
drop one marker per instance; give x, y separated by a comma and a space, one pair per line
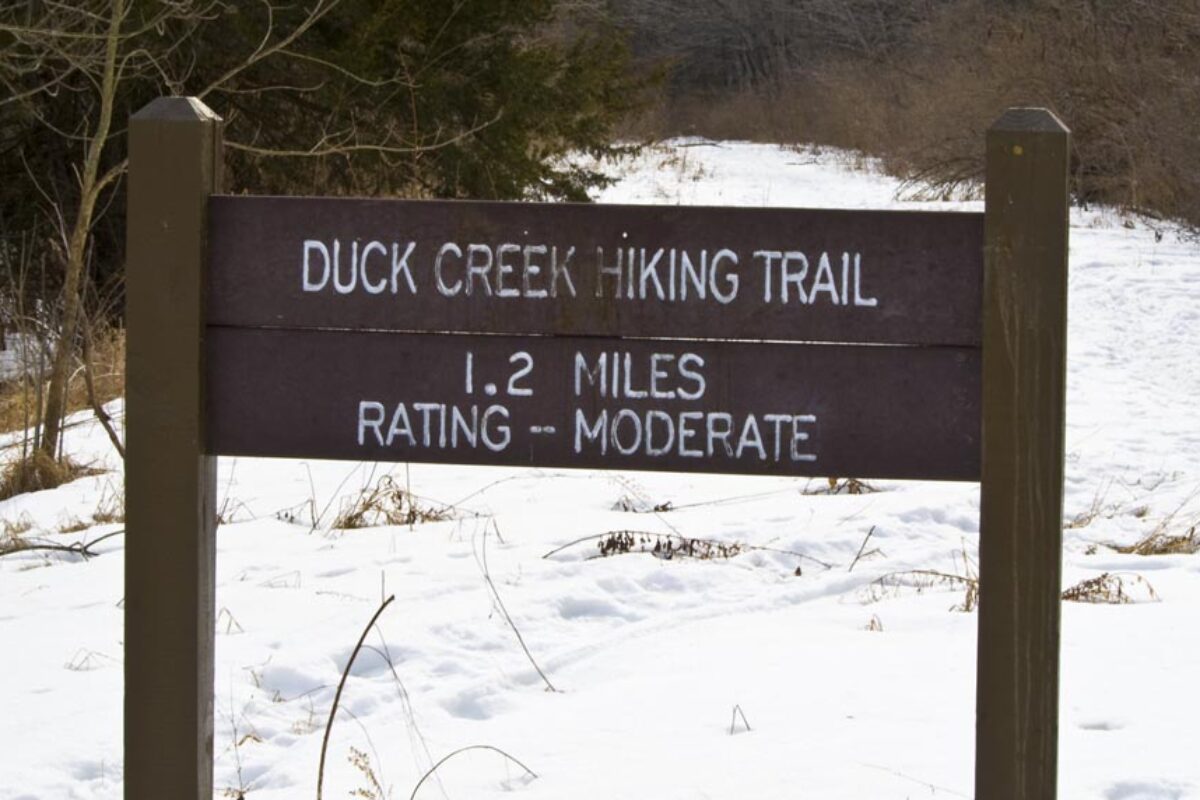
105, 52
353, 96
739, 44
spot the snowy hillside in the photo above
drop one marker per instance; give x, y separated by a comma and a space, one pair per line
805, 658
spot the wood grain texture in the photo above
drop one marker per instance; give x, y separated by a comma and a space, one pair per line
170, 556
1024, 392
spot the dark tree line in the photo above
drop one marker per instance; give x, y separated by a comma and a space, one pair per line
916, 82
766, 44
415, 98
470, 98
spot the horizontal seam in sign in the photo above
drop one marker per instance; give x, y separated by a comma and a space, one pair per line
543, 335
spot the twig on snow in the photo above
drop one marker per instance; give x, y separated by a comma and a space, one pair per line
861, 548
487, 577
341, 685
434, 768
737, 711
80, 548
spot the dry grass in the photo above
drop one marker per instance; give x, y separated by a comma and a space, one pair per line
1108, 588
73, 525
386, 503
674, 545
964, 578
637, 505
1163, 539
1161, 543
12, 534
1094, 510
12, 528
1111, 588
373, 789
108, 371
19, 398
919, 581
839, 486
21, 409
39, 471
111, 506
16, 404
665, 546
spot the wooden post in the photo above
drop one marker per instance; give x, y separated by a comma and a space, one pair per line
1024, 389
174, 165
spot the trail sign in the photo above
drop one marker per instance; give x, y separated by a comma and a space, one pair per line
756, 341
637, 335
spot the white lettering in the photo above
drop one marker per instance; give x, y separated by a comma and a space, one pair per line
636, 421
656, 373
503, 428
400, 264
531, 270
373, 288
769, 257
479, 268
686, 433
614, 271
751, 438
593, 433
801, 436
599, 373
339, 287
504, 268
722, 435
724, 298
824, 282
788, 277
697, 377
859, 300
375, 421
665, 447
445, 289
400, 426
309, 284
562, 271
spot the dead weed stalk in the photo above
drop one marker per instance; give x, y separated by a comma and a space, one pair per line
337, 697
39, 471
893, 584
1095, 509
386, 503
1161, 543
1162, 540
1110, 588
839, 486
499, 601
671, 545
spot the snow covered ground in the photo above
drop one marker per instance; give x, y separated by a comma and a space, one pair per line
848, 687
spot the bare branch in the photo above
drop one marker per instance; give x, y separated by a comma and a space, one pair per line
321, 150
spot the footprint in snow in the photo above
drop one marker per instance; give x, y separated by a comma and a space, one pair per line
1145, 790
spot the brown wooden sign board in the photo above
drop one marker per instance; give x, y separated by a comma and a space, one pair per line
900, 345
596, 270
698, 406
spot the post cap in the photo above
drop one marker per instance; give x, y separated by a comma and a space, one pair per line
1029, 120
177, 109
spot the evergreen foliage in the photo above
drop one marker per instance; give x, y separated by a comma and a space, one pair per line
411, 98
478, 99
